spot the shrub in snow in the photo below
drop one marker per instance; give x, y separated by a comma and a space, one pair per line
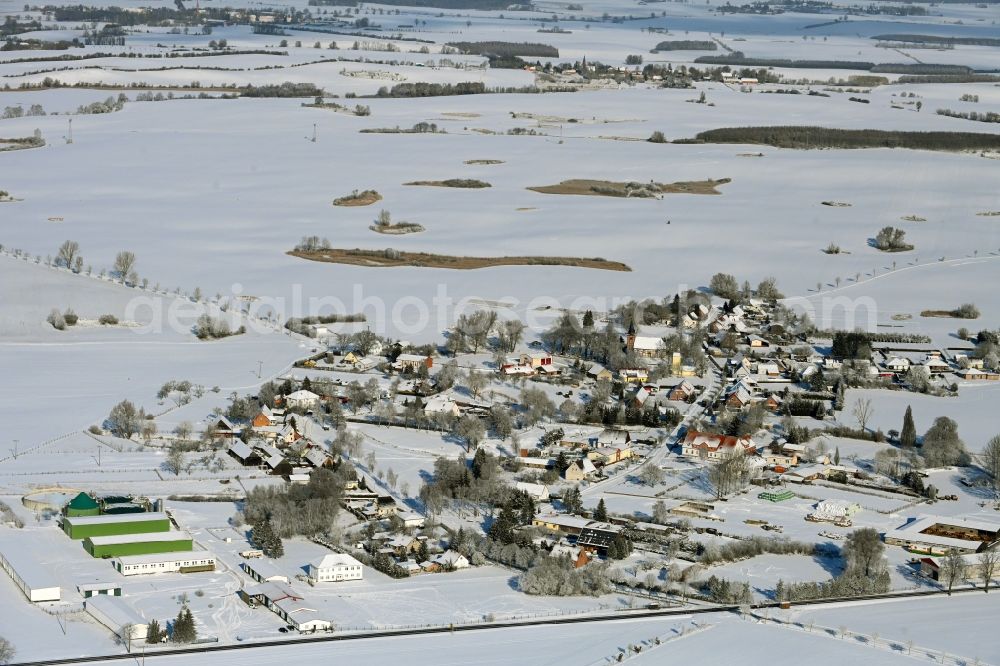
57, 320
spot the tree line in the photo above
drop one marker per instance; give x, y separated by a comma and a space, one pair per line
504, 49
824, 137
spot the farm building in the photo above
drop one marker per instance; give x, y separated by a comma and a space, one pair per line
137, 544
132, 565
83, 505
335, 567
268, 594
81, 527
264, 571
29, 576
305, 620
972, 567
88, 590
937, 535
119, 616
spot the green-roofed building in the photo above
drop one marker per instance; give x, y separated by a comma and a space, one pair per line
83, 505
138, 544
81, 527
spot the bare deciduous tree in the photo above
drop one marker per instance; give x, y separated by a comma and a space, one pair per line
68, 252
862, 412
125, 419
124, 264
991, 461
651, 475
174, 462
475, 382
7, 651
183, 430
471, 429
988, 560
730, 473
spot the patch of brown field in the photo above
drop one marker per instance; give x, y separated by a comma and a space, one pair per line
749, 154
944, 314
398, 228
836, 204
366, 198
989, 213
609, 188
462, 183
913, 218
525, 208
460, 114
483, 162
393, 259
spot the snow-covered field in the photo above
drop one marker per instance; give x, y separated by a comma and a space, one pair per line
210, 194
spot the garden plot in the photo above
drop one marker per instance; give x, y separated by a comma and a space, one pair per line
764, 571
969, 409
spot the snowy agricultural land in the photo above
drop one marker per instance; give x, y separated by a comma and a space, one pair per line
139, 146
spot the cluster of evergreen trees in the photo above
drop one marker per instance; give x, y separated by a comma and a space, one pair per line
183, 629
154, 633
795, 406
851, 344
723, 591
264, 537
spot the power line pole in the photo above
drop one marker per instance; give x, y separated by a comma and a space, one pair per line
69, 138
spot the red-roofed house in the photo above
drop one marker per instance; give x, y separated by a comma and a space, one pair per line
712, 446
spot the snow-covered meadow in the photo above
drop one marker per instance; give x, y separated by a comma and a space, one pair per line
210, 194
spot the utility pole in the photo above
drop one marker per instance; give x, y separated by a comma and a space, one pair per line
16, 442
69, 138
260, 368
